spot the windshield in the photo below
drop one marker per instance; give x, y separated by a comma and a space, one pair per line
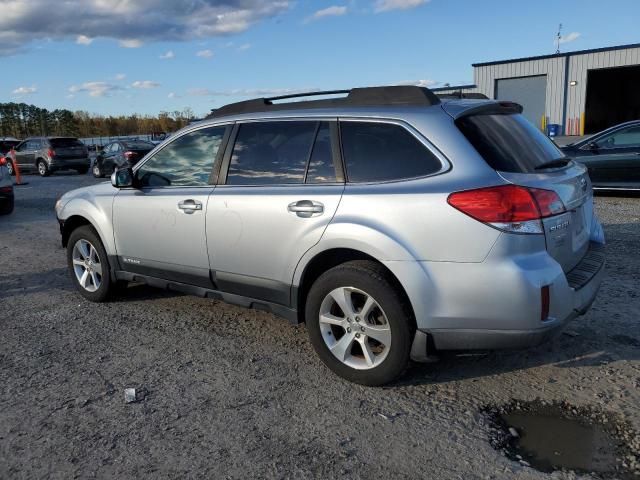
509, 143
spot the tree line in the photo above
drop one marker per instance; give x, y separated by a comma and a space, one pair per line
22, 120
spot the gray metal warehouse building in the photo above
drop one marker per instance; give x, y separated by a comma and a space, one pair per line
583, 91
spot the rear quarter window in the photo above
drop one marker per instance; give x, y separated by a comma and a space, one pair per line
378, 152
508, 142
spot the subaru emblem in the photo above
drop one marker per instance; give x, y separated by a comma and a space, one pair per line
583, 184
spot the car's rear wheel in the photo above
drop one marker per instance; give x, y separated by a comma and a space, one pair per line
43, 168
6, 206
359, 323
88, 264
97, 171
12, 172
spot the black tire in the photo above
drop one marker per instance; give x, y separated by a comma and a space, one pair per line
12, 171
372, 278
43, 168
87, 233
82, 170
7, 205
97, 170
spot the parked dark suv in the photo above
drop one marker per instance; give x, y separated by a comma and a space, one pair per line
118, 154
48, 154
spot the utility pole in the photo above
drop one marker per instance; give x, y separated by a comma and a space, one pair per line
558, 38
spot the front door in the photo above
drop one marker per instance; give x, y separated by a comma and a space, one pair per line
616, 160
159, 227
25, 154
283, 185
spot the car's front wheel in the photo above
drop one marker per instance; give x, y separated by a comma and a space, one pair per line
359, 323
97, 170
88, 264
12, 171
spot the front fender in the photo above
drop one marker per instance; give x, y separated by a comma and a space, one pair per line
95, 204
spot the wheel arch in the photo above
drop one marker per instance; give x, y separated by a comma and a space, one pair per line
330, 258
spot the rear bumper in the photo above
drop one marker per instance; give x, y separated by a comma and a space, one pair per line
488, 306
63, 163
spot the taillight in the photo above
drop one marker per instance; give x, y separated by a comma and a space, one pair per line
511, 208
129, 154
3, 161
51, 153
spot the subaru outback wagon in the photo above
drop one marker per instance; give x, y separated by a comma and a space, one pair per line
392, 223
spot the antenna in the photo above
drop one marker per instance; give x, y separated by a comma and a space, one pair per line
558, 38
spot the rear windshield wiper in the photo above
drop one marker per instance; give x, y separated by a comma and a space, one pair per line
558, 162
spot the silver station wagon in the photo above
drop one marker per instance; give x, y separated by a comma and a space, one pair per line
395, 224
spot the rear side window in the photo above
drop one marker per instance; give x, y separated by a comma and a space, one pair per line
65, 142
377, 152
271, 153
508, 143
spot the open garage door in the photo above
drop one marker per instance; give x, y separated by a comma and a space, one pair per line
530, 92
613, 96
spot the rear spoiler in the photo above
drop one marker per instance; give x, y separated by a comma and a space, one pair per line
466, 109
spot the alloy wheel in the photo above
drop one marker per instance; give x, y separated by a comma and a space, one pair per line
354, 328
86, 265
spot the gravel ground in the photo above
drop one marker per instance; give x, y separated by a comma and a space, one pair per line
235, 393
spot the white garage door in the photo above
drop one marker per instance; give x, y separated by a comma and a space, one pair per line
530, 92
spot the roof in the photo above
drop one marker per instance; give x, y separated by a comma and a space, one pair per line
558, 55
356, 97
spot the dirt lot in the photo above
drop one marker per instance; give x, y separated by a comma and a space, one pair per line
236, 393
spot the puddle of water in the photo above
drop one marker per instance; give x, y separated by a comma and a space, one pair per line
549, 441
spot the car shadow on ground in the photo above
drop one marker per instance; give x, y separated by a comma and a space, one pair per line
575, 347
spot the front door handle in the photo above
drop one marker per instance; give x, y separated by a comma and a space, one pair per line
189, 206
306, 208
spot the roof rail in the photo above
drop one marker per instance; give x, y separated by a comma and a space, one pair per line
408, 95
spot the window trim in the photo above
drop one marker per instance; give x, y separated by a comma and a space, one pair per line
227, 125
335, 147
613, 134
445, 164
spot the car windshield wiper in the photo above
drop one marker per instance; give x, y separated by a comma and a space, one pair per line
558, 162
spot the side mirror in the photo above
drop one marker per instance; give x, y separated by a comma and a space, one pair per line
122, 178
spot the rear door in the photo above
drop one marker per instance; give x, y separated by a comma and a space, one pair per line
281, 183
522, 155
160, 226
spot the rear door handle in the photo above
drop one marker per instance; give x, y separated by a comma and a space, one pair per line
189, 206
306, 208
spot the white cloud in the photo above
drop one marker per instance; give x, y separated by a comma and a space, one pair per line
204, 53
21, 91
172, 95
420, 83
569, 37
388, 5
333, 11
145, 84
95, 89
245, 46
130, 43
120, 76
168, 55
25, 21
84, 40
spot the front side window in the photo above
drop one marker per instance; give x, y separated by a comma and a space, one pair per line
378, 152
185, 162
629, 137
270, 153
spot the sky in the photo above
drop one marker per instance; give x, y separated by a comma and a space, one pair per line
115, 57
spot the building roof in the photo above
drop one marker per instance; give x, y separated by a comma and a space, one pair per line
558, 55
